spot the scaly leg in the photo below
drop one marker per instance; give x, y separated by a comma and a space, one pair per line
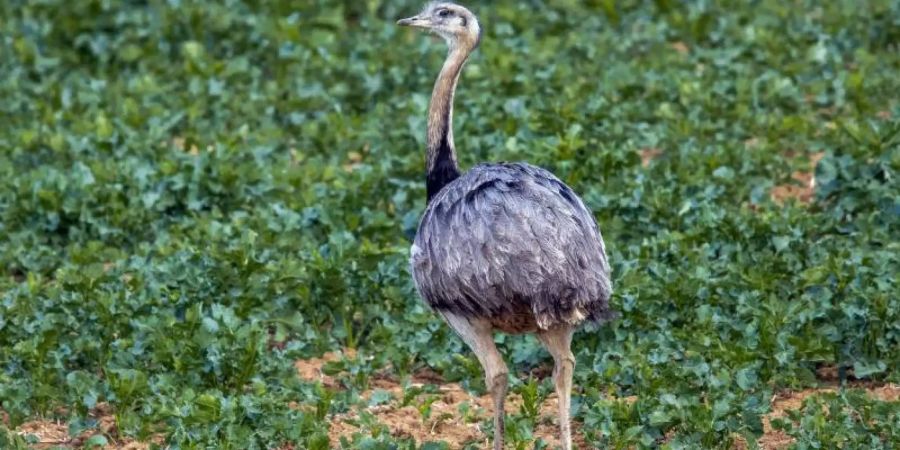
478, 335
558, 342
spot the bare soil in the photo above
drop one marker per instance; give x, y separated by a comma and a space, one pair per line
792, 400
55, 433
456, 415
802, 187
648, 155
311, 369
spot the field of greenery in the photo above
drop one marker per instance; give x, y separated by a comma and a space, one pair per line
194, 194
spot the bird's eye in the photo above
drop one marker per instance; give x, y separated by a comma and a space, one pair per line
444, 13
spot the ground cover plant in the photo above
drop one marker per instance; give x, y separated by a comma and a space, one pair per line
196, 194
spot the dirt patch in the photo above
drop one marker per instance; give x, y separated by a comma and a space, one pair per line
49, 433
181, 143
680, 47
409, 422
886, 393
446, 412
792, 400
830, 373
55, 433
311, 369
648, 155
433, 410
802, 188
426, 408
354, 159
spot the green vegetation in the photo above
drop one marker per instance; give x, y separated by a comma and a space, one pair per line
195, 193
848, 420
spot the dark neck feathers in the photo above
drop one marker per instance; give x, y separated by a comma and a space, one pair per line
441, 164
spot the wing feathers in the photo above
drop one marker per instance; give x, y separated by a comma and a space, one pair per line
511, 239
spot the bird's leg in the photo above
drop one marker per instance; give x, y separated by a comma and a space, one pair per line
558, 342
498, 389
478, 335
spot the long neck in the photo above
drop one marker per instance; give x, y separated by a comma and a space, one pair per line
442, 167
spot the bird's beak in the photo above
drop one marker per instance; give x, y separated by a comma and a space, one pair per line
414, 21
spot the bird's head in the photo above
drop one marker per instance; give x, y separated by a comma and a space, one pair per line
456, 24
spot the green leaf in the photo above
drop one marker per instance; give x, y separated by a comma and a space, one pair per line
781, 242
97, 440
659, 418
746, 379
380, 396
865, 369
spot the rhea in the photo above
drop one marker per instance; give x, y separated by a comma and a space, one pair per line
503, 247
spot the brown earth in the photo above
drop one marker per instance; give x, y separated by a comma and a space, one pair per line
648, 155
802, 187
453, 415
311, 369
456, 415
55, 433
680, 47
792, 400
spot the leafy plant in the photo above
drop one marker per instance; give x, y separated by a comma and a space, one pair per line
845, 419
195, 194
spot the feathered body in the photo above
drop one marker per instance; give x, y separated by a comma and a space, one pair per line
512, 243
503, 246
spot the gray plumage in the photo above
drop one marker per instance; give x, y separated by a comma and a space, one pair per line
514, 244
504, 246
